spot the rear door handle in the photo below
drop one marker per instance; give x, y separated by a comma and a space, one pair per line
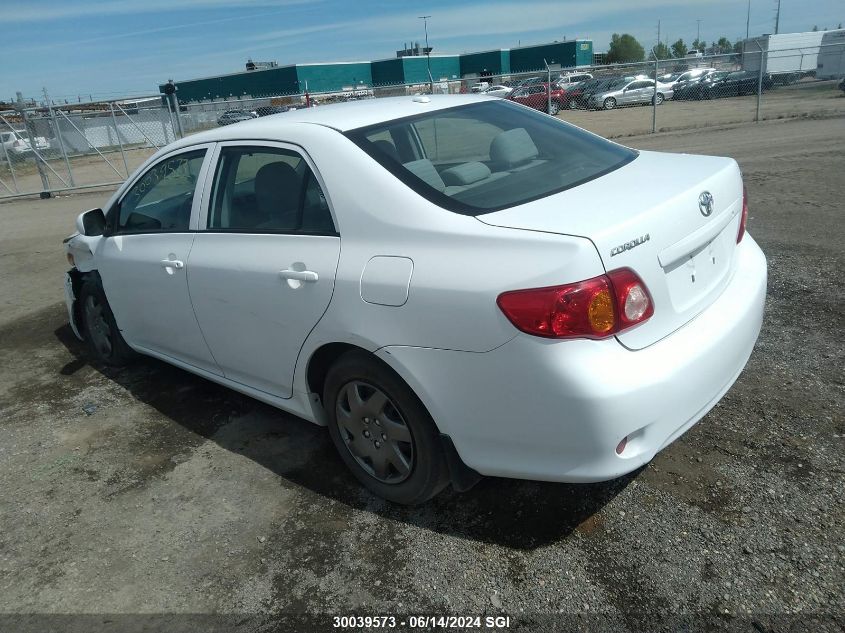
172, 263
308, 276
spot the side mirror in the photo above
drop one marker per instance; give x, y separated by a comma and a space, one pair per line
91, 222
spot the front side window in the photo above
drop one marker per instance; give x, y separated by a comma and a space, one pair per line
265, 189
162, 199
484, 157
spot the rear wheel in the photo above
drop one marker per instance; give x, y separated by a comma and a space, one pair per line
382, 431
658, 99
609, 103
553, 108
100, 330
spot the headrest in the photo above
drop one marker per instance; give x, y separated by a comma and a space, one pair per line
465, 174
513, 148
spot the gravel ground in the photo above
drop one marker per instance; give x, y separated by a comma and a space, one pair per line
151, 491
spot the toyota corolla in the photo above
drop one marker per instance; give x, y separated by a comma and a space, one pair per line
455, 286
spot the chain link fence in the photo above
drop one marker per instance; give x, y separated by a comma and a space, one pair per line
59, 148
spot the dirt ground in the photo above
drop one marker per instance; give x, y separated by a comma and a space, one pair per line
149, 491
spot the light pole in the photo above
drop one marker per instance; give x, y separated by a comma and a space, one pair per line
424, 18
698, 32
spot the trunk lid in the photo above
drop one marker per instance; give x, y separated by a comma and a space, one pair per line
646, 216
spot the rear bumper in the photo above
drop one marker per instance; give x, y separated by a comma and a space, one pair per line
556, 410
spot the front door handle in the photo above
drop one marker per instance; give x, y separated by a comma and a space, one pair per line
308, 276
172, 263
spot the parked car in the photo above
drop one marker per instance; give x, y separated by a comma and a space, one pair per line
731, 84
17, 143
842, 85
623, 93
537, 96
685, 77
498, 91
580, 95
570, 80
235, 116
268, 110
481, 86
697, 88
501, 303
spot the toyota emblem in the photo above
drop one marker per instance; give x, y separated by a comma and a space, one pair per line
705, 203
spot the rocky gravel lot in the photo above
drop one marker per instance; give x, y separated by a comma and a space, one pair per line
148, 490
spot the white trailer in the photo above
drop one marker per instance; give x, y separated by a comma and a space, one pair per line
786, 57
832, 55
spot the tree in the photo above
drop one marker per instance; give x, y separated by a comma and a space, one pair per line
699, 45
661, 50
724, 45
679, 49
815, 28
738, 46
624, 48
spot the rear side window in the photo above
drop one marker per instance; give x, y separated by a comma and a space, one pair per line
485, 157
264, 189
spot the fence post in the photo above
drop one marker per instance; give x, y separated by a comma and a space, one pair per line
178, 116
45, 181
654, 97
119, 142
759, 82
548, 87
58, 129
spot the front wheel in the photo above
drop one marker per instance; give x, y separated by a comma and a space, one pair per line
572, 105
609, 103
99, 328
382, 431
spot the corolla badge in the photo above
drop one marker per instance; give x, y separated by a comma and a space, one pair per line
627, 246
705, 203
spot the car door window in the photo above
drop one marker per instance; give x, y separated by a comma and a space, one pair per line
266, 189
162, 199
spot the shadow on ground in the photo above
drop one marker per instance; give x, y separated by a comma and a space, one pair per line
517, 514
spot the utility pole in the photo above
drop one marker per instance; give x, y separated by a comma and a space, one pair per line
425, 18
777, 18
698, 32
748, 20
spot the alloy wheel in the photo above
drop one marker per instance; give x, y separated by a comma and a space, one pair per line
374, 432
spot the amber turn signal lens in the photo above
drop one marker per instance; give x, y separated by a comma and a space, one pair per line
600, 312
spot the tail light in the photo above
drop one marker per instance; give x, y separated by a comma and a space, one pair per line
596, 308
744, 219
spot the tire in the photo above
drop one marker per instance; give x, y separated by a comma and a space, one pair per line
382, 431
102, 335
571, 104
553, 108
658, 98
609, 103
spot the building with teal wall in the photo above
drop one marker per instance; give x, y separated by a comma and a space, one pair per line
344, 76
557, 54
486, 63
414, 69
282, 80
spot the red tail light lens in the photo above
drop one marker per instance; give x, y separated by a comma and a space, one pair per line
744, 219
595, 308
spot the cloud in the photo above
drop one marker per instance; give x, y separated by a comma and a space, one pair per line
21, 12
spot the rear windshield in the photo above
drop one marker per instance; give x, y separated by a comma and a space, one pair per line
484, 157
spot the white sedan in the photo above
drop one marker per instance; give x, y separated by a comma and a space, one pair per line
498, 91
456, 286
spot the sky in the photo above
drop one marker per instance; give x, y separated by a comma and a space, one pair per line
128, 47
